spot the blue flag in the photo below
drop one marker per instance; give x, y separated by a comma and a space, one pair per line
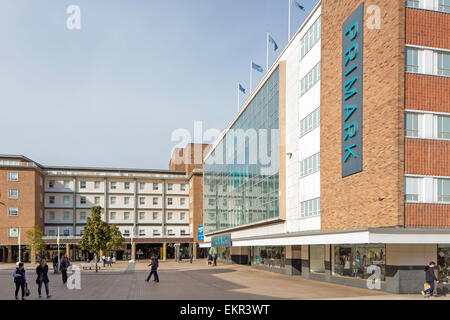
299, 5
256, 67
275, 46
242, 88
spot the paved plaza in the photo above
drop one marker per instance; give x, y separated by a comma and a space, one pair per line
187, 281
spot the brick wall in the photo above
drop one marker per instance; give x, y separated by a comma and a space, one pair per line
428, 93
427, 215
428, 28
427, 157
373, 197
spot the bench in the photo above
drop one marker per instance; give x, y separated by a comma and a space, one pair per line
90, 265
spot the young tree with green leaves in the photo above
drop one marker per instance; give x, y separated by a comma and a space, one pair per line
96, 235
35, 242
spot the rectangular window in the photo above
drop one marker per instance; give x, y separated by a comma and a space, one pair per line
169, 201
170, 186
126, 185
13, 176
113, 200
82, 184
444, 6
66, 185
443, 64
97, 185
142, 186
182, 201
126, 233
170, 232
51, 215
310, 122
113, 185
411, 125
97, 200
310, 79
51, 199
142, 232
156, 232
211, 202
126, 200
142, 215
169, 216
182, 187
13, 211
112, 215
126, 215
443, 127
155, 215
66, 200
155, 201
83, 200
412, 189
182, 216
141, 201
443, 190
13, 194
183, 232
310, 208
155, 186
82, 216
412, 60
413, 4
310, 165
13, 232
66, 215
51, 183
310, 38
51, 232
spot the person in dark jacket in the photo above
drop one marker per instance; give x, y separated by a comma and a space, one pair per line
20, 279
430, 277
64, 266
55, 264
42, 277
154, 270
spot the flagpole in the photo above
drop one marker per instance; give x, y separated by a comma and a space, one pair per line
20, 250
251, 75
57, 244
267, 52
289, 22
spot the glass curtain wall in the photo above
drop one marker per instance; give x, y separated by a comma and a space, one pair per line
241, 174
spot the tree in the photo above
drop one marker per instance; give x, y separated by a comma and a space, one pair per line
96, 234
36, 244
116, 241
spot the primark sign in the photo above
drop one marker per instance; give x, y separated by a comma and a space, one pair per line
352, 92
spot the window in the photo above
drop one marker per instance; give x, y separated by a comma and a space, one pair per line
443, 190
126, 232
126, 215
310, 208
97, 200
51, 215
310, 165
142, 232
155, 186
142, 186
66, 231
183, 232
113, 200
83, 200
112, 215
443, 64
141, 200
182, 216
66, 184
411, 189
310, 79
155, 215
97, 185
142, 215
66, 200
443, 127
156, 232
411, 125
412, 60
66, 215
126, 200
169, 201
51, 183
82, 184
182, 201
170, 186
113, 185
83, 216
51, 232
13, 176
413, 3
211, 202
170, 232
444, 6
155, 200
310, 38
13, 194
13, 232
182, 187
13, 211
169, 215
126, 185
51, 199
310, 122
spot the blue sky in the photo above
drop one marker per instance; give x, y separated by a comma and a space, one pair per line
111, 93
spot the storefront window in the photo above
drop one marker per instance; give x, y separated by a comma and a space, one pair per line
272, 257
443, 261
317, 259
354, 260
223, 253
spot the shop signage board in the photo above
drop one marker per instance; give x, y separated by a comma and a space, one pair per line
221, 241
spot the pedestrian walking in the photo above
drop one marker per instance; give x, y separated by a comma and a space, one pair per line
20, 280
65, 263
104, 261
42, 277
430, 277
55, 264
215, 259
154, 270
190, 257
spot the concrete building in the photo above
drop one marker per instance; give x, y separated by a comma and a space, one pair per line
353, 181
155, 210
